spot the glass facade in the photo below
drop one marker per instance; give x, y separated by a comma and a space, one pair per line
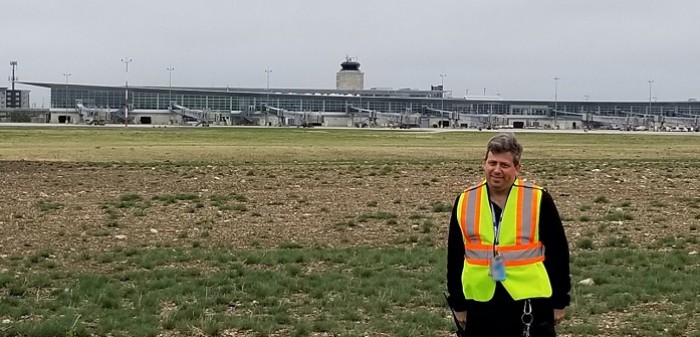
66, 96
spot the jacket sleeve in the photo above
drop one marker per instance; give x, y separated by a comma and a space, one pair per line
455, 263
556, 254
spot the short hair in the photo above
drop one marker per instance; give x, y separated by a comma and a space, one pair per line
502, 143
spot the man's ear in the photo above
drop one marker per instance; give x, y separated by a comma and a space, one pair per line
517, 168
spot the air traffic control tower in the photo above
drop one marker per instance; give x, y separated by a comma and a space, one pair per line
350, 77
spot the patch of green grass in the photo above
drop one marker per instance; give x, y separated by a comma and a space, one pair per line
221, 202
285, 288
617, 241
168, 199
585, 243
186, 196
386, 169
239, 198
218, 199
441, 207
46, 206
381, 215
130, 198
638, 281
239, 207
602, 227
38, 257
427, 225
669, 242
114, 209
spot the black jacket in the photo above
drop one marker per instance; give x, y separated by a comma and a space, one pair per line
556, 259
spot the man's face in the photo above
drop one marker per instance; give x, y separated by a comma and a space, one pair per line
500, 170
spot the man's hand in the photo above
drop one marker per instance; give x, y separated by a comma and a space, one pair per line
558, 315
461, 317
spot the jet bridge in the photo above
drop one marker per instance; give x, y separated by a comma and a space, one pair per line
295, 118
199, 117
93, 116
627, 122
367, 117
400, 120
452, 116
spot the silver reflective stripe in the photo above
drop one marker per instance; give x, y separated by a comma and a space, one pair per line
478, 254
526, 212
524, 254
470, 211
508, 256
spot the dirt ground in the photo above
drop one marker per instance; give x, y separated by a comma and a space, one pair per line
75, 207
69, 208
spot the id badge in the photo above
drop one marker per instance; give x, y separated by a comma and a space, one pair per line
497, 268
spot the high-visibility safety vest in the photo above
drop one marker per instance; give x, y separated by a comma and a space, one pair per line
518, 243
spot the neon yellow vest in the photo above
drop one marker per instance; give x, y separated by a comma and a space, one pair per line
519, 243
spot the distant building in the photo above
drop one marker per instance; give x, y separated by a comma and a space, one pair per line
438, 89
3, 99
14, 98
349, 104
350, 77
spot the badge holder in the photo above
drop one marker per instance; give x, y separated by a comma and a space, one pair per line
497, 268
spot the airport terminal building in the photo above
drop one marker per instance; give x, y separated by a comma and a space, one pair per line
349, 104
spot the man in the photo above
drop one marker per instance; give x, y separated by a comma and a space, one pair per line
507, 254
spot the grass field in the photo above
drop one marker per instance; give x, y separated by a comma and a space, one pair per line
321, 232
239, 145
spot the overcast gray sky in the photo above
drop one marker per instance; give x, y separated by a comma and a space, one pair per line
606, 49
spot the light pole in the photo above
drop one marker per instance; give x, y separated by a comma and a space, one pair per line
170, 85
442, 97
126, 62
650, 83
12, 79
13, 64
65, 94
267, 90
267, 73
556, 87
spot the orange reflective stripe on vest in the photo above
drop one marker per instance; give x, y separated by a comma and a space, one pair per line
470, 204
513, 255
528, 214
